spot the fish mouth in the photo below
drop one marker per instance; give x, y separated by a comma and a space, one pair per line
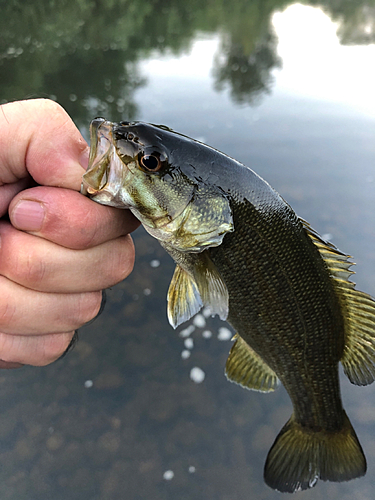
105, 172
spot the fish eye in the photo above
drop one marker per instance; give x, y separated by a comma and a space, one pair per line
150, 162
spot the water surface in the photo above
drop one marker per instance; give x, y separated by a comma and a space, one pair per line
286, 89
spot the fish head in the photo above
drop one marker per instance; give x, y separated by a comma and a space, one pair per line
156, 173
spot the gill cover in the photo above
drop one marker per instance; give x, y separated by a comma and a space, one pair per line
138, 166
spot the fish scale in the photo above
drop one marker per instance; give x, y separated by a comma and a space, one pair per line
285, 338
242, 252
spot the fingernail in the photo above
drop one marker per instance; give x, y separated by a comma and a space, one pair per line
28, 215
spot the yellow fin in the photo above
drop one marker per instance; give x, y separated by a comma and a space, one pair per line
212, 289
358, 308
196, 282
183, 298
336, 261
358, 358
189, 291
247, 369
300, 456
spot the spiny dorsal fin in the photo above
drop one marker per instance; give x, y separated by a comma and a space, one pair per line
336, 261
246, 368
358, 308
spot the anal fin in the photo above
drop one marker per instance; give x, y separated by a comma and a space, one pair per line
246, 368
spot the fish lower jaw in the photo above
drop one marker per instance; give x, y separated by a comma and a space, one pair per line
107, 198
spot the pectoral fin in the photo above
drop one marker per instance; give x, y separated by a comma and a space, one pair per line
212, 289
246, 368
183, 298
196, 282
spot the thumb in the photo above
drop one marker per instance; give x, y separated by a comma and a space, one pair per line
39, 139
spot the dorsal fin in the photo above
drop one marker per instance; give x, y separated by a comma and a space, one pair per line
246, 368
358, 308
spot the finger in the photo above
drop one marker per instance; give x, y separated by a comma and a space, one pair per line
68, 218
38, 350
9, 365
27, 312
39, 139
41, 265
8, 192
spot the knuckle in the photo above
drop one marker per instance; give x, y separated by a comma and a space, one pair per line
88, 307
54, 345
30, 270
50, 106
8, 313
122, 263
20, 261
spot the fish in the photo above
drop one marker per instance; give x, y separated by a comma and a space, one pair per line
242, 252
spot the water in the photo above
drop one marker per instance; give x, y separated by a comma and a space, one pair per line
288, 90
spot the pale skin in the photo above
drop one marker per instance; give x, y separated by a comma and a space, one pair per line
60, 249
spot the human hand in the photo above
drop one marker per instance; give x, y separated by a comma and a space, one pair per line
59, 249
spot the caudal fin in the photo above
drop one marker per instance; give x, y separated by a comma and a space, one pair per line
299, 457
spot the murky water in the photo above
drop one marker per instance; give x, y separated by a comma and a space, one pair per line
137, 410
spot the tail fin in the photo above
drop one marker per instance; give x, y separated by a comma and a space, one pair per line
300, 456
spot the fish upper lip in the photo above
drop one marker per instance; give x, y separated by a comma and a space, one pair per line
100, 156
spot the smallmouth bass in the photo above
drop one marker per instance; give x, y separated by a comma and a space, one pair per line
241, 250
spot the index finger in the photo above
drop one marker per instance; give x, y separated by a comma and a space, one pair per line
38, 138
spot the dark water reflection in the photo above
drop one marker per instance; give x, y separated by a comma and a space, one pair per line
113, 417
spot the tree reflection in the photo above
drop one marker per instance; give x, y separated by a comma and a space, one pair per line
247, 75
86, 52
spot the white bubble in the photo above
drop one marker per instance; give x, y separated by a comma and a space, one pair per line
207, 312
187, 331
155, 263
327, 236
189, 343
199, 321
197, 375
146, 291
168, 475
88, 384
185, 354
207, 334
224, 334
192, 469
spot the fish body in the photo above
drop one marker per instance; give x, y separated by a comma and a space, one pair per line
242, 251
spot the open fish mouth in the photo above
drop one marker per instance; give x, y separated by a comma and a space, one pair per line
105, 173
